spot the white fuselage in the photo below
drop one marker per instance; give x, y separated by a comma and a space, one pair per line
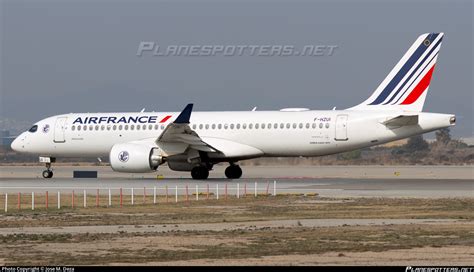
266, 133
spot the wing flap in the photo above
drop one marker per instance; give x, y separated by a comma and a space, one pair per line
204, 148
231, 149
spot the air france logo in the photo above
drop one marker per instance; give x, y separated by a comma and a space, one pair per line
46, 128
123, 156
120, 120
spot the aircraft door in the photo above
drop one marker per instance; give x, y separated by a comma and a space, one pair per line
341, 128
60, 130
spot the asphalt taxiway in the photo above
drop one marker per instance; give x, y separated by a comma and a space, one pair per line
330, 181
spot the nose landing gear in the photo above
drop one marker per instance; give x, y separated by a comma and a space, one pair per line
48, 173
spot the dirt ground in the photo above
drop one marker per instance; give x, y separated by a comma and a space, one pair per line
265, 231
429, 256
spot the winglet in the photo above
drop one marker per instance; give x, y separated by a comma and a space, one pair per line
184, 116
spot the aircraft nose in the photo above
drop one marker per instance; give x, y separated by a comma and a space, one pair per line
17, 144
14, 145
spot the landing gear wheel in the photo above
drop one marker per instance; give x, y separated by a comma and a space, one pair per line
233, 172
47, 174
200, 172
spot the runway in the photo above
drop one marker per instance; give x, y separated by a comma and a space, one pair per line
325, 181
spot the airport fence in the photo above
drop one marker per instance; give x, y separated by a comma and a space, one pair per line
68, 197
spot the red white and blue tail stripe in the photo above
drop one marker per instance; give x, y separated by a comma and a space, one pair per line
406, 86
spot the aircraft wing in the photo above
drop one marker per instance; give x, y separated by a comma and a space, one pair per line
402, 120
180, 132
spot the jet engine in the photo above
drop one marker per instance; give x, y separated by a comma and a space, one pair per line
135, 158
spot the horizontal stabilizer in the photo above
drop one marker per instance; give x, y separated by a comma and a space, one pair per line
402, 120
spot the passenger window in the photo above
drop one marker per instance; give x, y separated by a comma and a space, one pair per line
300, 125
91, 127
226, 126
78, 127
150, 127
231, 126
256, 126
219, 126
327, 125
97, 127
207, 126
275, 126
138, 127
238, 126
132, 127
320, 125
84, 128
126, 127
73, 128
282, 125
250, 126
108, 127
120, 127
194, 126
307, 125
115, 127
157, 127
200, 126
263, 126
294, 125
213, 126
314, 125
244, 126
162, 127
102, 127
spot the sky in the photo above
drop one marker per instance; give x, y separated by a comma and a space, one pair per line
81, 56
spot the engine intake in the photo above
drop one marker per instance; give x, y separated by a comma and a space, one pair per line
135, 158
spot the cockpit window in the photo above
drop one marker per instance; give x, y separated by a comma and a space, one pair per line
33, 128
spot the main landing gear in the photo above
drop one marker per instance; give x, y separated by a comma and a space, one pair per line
200, 172
48, 173
233, 171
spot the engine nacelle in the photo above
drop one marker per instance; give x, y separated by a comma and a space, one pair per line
135, 158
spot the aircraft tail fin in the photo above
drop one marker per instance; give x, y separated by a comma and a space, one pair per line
406, 86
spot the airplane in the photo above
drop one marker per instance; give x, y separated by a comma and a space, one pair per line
139, 142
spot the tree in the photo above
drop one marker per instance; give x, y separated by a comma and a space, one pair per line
443, 136
416, 143
351, 155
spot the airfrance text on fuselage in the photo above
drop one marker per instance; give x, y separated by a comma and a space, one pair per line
116, 120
